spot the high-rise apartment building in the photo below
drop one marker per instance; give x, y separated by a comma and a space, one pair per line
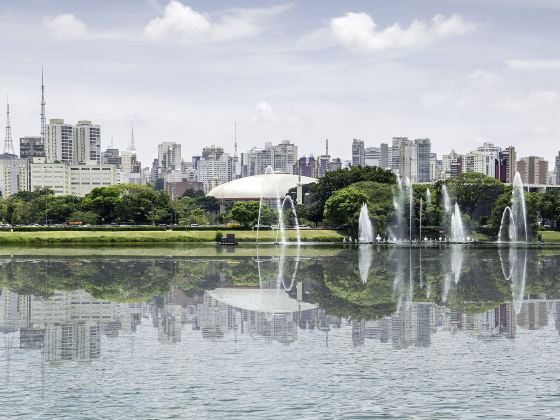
30, 147
372, 156
422, 151
358, 153
384, 156
401, 156
87, 142
483, 162
281, 158
533, 170
169, 157
14, 176
506, 165
111, 156
59, 142
557, 168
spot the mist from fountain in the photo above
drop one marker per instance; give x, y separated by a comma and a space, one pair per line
365, 228
428, 197
410, 207
516, 224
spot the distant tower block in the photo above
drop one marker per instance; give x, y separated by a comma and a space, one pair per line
8, 143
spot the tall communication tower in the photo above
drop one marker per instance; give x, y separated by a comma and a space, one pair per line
43, 118
132, 146
8, 143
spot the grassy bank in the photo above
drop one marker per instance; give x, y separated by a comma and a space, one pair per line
158, 236
550, 236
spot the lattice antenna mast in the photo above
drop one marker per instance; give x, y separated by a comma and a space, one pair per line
327, 147
132, 146
235, 140
43, 117
8, 143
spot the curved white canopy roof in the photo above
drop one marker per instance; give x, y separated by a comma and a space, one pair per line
259, 300
249, 188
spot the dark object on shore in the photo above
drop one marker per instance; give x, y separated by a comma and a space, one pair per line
228, 240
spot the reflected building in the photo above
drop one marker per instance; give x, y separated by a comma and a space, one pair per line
533, 314
80, 341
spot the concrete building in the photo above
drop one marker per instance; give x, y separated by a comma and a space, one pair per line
401, 156
533, 170
483, 162
30, 147
384, 156
59, 142
281, 158
64, 179
55, 176
87, 142
111, 156
14, 176
422, 153
506, 166
557, 168
372, 156
169, 157
358, 153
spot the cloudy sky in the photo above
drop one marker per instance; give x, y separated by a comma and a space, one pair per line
458, 71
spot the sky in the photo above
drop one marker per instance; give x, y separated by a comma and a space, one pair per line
460, 72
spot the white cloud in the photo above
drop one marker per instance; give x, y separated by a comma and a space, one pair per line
552, 64
267, 115
484, 78
358, 32
65, 26
181, 23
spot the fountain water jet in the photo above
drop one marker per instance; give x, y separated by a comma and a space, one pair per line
457, 230
517, 221
365, 259
365, 228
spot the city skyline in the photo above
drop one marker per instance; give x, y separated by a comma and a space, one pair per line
187, 72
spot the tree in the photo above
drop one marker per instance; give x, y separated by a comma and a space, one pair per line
472, 189
336, 180
245, 212
343, 207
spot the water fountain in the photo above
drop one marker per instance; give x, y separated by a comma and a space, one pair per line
514, 218
365, 228
402, 197
428, 197
452, 218
280, 205
457, 229
398, 204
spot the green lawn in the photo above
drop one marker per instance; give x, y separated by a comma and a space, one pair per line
550, 236
158, 236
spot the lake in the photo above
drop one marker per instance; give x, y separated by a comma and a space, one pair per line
280, 332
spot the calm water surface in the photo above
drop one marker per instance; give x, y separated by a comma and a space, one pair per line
315, 332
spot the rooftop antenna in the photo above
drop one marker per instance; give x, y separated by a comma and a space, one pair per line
8, 143
43, 118
327, 147
132, 147
111, 142
235, 139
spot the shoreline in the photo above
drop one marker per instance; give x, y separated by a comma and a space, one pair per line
135, 237
159, 237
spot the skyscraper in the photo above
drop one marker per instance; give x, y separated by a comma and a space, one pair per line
557, 168
372, 156
533, 169
422, 149
87, 138
59, 142
30, 147
358, 153
401, 156
169, 157
384, 156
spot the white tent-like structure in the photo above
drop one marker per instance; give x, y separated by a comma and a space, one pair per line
259, 300
251, 187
